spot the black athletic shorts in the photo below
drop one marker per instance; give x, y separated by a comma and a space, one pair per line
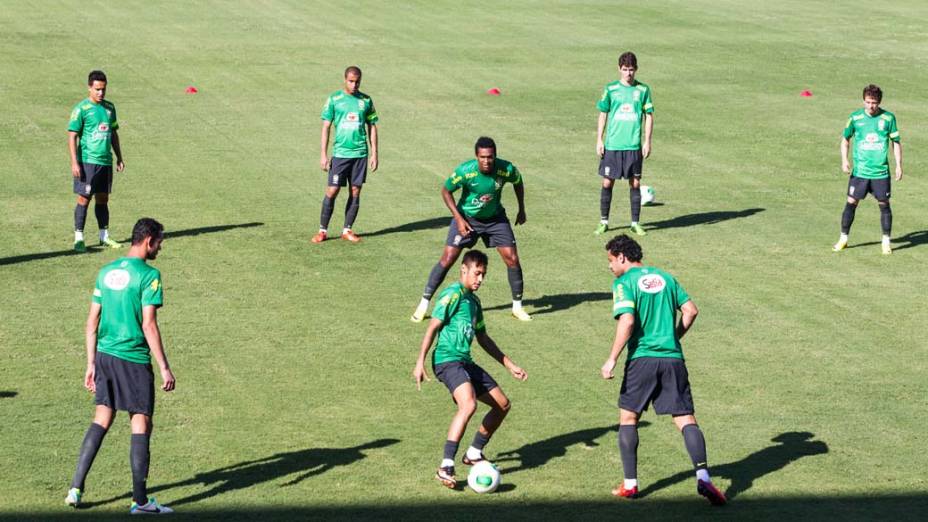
455, 373
94, 179
495, 232
621, 164
348, 170
663, 381
858, 188
123, 385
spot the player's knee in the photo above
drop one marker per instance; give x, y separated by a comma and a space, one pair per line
355, 191
82, 201
467, 407
512, 260
852, 202
504, 405
101, 199
883, 203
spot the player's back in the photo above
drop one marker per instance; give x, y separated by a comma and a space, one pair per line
657, 296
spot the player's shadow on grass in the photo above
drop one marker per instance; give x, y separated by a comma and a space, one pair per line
297, 466
425, 224
702, 218
555, 303
791, 446
537, 454
8, 394
912, 239
93, 249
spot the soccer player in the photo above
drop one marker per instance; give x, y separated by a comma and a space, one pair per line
355, 119
872, 129
479, 213
122, 328
91, 136
625, 110
645, 304
456, 320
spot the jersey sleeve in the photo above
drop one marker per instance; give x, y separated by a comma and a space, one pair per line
114, 123
680, 296
849, 128
647, 105
448, 303
372, 117
76, 123
97, 292
479, 324
328, 110
454, 181
893, 130
152, 292
515, 177
623, 300
604, 102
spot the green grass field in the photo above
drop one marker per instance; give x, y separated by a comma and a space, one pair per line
294, 395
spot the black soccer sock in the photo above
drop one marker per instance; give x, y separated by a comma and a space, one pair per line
480, 440
605, 203
351, 210
451, 449
139, 458
847, 218
436, 276
695, 445
628, 449
92, 441
102, 211
515, 281
80, 217
634, 195
886, 219
328, 206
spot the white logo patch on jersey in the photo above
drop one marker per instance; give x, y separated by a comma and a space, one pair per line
117, 279
351, 116
651, 283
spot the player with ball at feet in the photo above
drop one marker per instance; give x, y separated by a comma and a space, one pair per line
456, 321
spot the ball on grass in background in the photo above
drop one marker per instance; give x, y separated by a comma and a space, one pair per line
647, 195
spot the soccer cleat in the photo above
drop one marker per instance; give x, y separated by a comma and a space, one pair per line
151, 508
109, 243
445, 475
79, 246
636, 228
419, 314
74, 498
621, 492
601, 228
470, 462
708, 490
887, 249
521, 314
319, 237
348, 235
840, 245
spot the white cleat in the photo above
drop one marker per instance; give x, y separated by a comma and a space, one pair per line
419, 314
521, 314
840, 245
887, 249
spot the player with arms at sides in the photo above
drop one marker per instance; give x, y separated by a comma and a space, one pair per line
479, 213
626, 115
92, 140
872, 129
121, 336
645, 304
355, 119
456, 321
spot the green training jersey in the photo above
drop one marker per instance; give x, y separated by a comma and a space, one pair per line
872, 135
654, 297
481, 193
94, 123
350, 115
123, 288
626, 106
461, 317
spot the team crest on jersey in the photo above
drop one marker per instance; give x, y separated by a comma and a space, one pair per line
651, 283
498, 184
882, 124
117, 279
627, 107
109, 113
154, 285
361, 105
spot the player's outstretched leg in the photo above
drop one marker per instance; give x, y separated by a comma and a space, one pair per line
499, 408
696, 447
467, 404
847, 219
89, 448
886, 223
510, 256
436, 276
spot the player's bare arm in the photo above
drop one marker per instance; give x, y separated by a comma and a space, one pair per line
73, 137
419, 373
153, 338
897, 153
489, 346
845, 163
372, 159
324, 162
623, 332
688, 313
90, 337
648, 127
463, 227
600, 128
520, 197
117, 150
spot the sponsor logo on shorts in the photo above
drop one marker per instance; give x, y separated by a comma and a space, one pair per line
607, 170
457, 239
334, 178
117, 279
651, 283
87, 188
850, 191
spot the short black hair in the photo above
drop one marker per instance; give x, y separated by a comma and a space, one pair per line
146, 227
96, 76
484, 142
626, 246
874, 92
353, 69
475, 257
628, 58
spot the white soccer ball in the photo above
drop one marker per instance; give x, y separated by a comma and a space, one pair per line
483, 477
647, 195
